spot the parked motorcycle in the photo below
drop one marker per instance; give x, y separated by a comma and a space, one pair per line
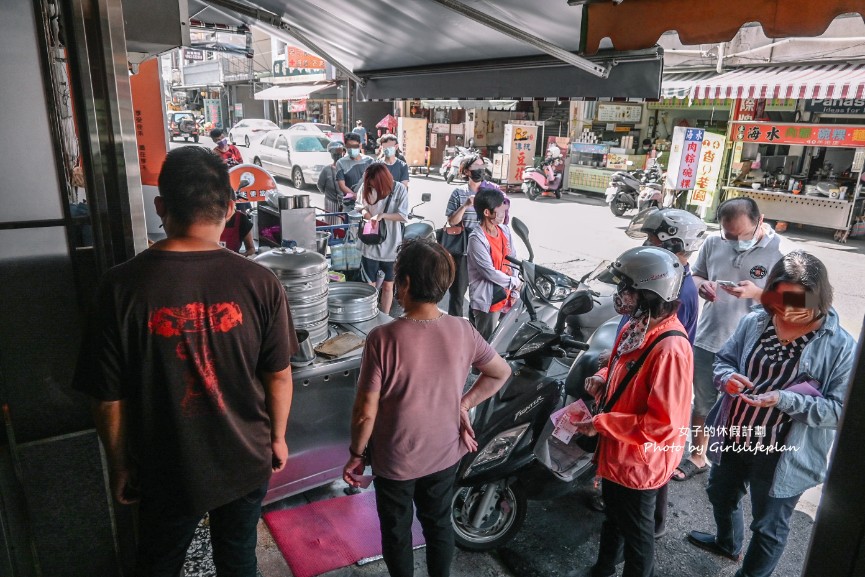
453, 170
545, 180
425, 228
495, 483
547, 289
623, 193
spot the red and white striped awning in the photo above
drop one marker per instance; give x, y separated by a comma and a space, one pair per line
804, 82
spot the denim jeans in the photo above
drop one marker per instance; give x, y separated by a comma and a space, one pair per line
629, 529
728, 483
457, 290
164, 536
432, 495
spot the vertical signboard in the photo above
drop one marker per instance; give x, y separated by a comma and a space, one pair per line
149, 135
708, 169
412, 135
684, 156
212, 112
520, 143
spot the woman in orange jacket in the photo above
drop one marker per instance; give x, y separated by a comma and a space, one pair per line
644, 401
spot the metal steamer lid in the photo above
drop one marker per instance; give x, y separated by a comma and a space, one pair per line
293, 262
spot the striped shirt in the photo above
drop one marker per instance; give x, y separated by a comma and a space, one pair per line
771, 366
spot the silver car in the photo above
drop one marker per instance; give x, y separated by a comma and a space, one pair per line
297, 155
249, 130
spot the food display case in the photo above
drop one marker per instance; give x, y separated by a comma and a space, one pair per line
813, 176
587, 167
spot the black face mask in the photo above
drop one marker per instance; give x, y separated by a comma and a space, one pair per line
477, 174
336, 155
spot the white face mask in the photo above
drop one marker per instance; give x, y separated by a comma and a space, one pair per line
390, 151
744, 245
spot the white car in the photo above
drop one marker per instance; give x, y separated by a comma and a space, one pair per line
326, 129
249, 130
294, 154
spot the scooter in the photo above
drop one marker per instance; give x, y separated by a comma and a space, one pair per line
494, 484
454, 168
545, 180
546, 290
624, 190
425, 228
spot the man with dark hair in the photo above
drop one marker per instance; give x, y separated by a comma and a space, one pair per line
229, 153
350, 168
730, 273
187, 361
398, 168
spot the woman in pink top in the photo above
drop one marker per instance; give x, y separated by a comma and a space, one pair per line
410, 416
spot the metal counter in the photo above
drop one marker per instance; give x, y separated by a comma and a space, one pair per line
798, 208
319, 425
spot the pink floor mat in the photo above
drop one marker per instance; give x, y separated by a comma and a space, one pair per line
327, 535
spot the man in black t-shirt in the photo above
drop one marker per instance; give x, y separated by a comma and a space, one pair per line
187, 360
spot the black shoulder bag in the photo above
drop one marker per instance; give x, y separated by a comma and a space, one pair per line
590, 444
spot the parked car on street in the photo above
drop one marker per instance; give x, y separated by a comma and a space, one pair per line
294, 154
249, 130
183, 124
327, 129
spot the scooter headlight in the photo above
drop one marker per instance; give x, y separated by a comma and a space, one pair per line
498, 449
554, 289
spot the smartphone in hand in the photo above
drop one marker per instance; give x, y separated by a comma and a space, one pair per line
727, 283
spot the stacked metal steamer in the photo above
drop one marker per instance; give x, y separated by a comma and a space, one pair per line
303, 274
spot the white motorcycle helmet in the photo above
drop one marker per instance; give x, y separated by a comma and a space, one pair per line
679, 230
646, 268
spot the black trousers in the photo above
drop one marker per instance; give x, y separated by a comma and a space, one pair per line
432, 496
629, 529
457, 291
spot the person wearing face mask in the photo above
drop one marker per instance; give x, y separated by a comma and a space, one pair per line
492, 282
742, 254
350, 168
227, 152
783, 378
460, 210
643, 395
398, 168
328, 185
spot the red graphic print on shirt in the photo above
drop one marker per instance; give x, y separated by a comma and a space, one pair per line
194, 324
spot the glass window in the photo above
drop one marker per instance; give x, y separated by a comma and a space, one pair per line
268, 140
310, 144
281, 143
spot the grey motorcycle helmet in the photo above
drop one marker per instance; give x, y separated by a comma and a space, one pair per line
678, 230
646, 268
335, 145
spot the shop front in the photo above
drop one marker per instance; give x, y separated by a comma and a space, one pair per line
807, 174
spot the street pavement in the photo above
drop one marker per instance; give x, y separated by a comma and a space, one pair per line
573, 235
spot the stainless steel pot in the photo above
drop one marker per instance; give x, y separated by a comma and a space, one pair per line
321, 240
300, 201
305, 354
352, 302
303, 275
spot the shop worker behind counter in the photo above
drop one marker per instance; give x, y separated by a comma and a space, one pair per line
187, 359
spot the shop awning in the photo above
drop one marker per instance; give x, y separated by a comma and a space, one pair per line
511, 49
805, 82
291, 92
682, 85
483, 104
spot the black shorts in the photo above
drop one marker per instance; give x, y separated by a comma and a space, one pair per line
371, 267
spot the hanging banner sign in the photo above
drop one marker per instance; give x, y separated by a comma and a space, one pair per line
836, 106
520, 142
749, 109
802, 134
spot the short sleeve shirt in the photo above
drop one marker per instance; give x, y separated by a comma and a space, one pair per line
351, 171
398, 170
417, 428
182, 337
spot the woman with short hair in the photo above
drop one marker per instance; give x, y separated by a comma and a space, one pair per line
492, 281
783, 376
385, 203
411, 413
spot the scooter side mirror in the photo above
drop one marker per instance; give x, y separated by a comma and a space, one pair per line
426, 197
577, 303
523, 232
